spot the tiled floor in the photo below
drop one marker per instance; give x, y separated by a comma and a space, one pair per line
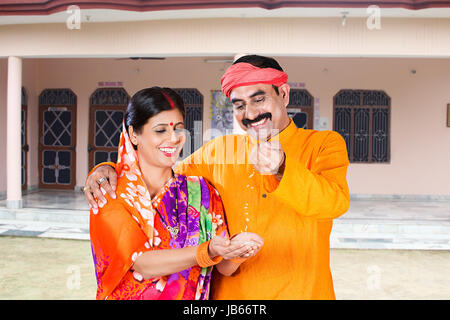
48, 214
60, 199
368, 224
399, 210
393, 224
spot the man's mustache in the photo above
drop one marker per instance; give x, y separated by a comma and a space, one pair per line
246, 121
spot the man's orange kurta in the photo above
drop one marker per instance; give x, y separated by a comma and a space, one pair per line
294, 216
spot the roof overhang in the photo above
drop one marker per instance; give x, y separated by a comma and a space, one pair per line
46, 7
114, 15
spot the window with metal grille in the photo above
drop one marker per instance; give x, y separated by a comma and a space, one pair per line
301, 108
362, 117
107, 109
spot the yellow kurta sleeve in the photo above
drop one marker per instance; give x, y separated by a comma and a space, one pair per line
321, 190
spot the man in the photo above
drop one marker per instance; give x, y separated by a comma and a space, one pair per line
298, 188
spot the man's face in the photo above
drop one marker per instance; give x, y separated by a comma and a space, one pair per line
259, 108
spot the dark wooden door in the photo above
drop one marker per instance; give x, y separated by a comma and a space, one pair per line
23, 138
301, 108
193, 103
107, 109
104, 133
25, 147
57, 143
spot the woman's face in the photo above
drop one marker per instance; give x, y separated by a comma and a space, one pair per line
161, 139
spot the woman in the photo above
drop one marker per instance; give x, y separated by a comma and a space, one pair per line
163, 233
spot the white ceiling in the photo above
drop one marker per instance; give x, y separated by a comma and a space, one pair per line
107, 15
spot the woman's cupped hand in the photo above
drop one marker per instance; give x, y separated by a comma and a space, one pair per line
241, 245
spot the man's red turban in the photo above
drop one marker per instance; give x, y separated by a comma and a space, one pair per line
246, 74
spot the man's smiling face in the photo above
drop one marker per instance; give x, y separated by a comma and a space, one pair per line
259, 108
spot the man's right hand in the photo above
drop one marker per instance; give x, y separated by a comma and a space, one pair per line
92, 187
220, 246
250, 239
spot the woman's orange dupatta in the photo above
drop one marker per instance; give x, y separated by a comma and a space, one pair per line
126, 227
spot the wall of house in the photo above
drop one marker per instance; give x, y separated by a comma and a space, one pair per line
420, 140
3, 83
412, 37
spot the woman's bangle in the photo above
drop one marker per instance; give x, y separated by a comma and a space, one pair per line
203, 258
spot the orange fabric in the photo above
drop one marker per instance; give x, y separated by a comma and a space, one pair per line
294, 216
117, 238
132, 224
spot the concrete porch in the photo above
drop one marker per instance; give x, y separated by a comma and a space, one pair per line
369, 223
47, 214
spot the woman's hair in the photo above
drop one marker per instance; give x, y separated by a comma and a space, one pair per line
148, 102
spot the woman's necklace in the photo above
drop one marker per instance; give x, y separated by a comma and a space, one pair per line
173, 230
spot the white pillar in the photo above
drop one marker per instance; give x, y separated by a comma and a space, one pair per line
13, 134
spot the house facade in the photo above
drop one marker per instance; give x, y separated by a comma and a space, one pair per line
379, 74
